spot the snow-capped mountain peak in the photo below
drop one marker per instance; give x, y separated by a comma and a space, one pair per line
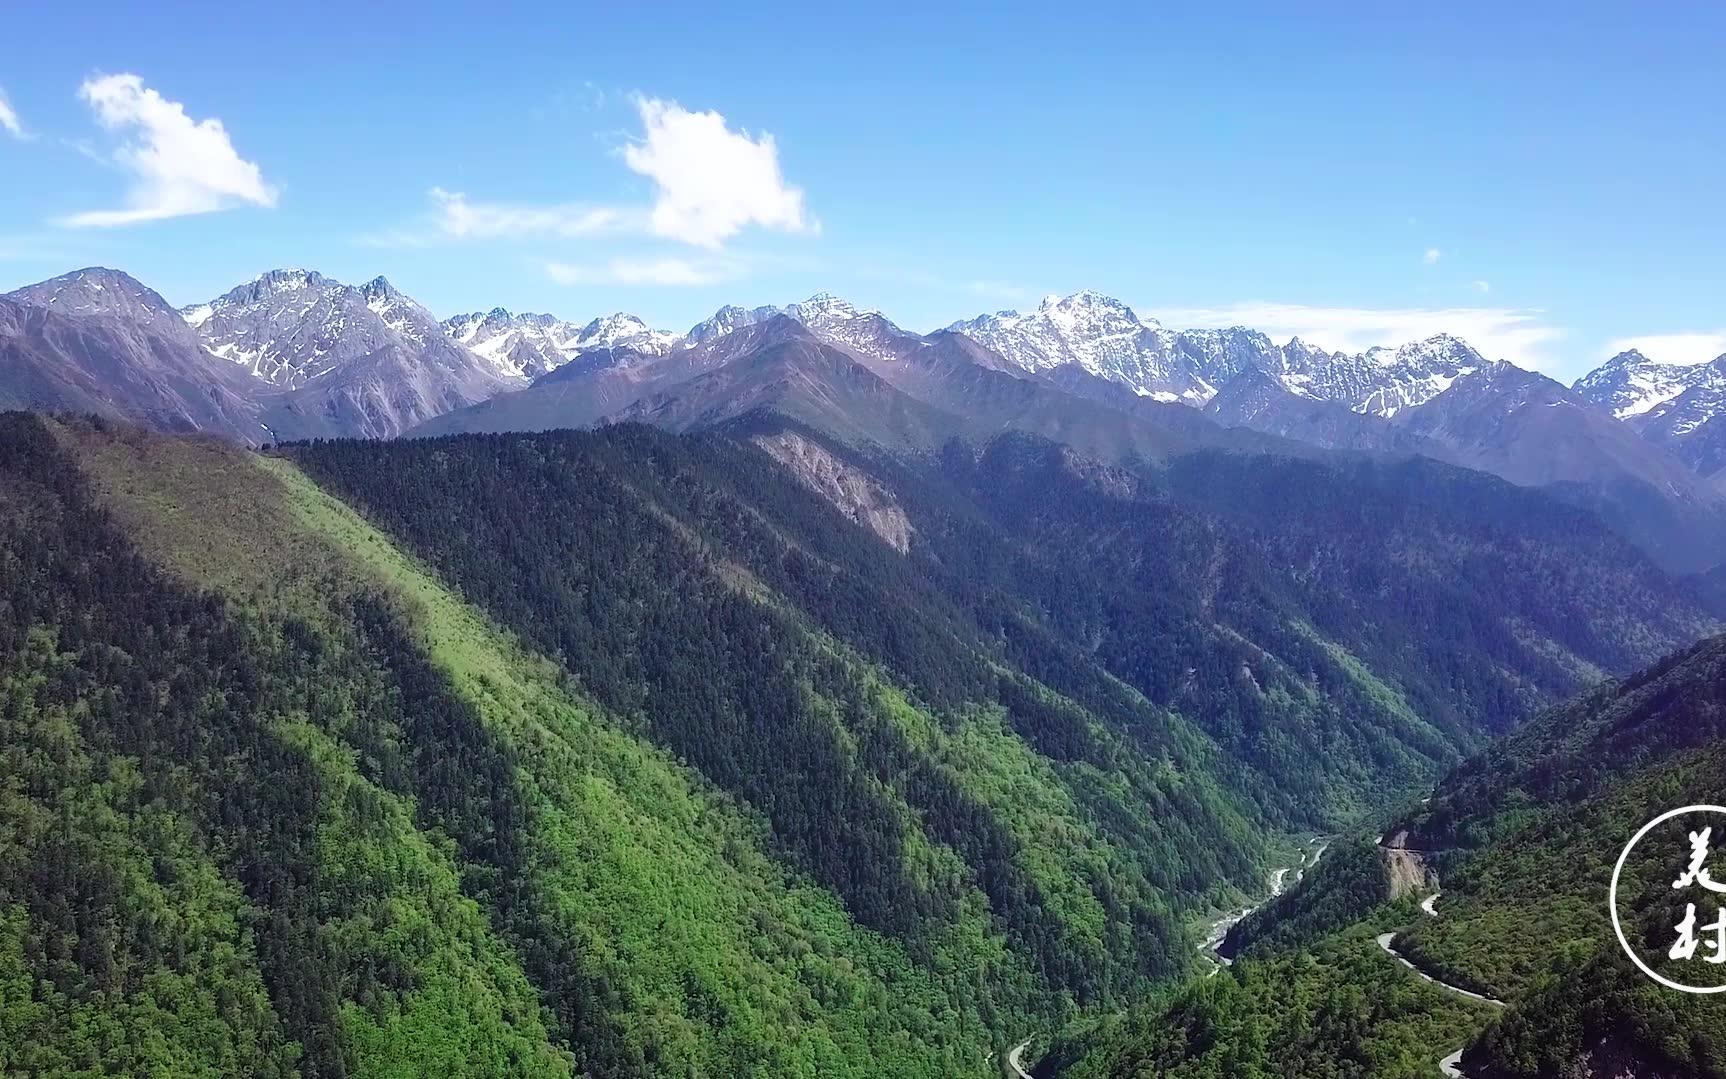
1090, 311
380, 293
1381, 381
1679, 406
610, 331
112, 295
287, 279
728, 319
529, 345
831, 319
1630, 384
1106, 338
291, 326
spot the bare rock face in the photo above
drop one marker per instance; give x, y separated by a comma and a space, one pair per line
854, 492
1409, 874
98, 341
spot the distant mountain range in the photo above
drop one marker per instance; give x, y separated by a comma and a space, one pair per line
529, 345
293, 354
1105, 338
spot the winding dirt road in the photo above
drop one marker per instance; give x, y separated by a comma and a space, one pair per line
1387, 942
1452, 1064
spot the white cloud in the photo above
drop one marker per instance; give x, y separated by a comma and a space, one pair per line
645, 271
179, 165
711, 182
1431, 256
9, 118
1482, 287
1500, 333
1685, 348
456, 217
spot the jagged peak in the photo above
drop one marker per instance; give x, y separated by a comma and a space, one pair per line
1627, 357
380, 286
288, 277
1084, 298
616, 318
828, 302
1302, 345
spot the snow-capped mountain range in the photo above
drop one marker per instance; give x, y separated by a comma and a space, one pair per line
321, 357
529, 345
830, 318
1106, 338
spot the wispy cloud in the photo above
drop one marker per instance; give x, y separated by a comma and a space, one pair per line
1431, 256
1518, 335
710, 183
1482, 287
1686, 348
669, 271
454, 216
457, 217
9, 121
179, 166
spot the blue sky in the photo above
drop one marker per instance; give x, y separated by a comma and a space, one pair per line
1545, 182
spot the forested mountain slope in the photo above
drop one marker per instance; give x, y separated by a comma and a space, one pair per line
627, 752
822, 678
326, 819
1532, 829
1328, 1005
1525, 837
1341, 628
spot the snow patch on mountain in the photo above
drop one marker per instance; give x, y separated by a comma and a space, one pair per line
1630, 384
